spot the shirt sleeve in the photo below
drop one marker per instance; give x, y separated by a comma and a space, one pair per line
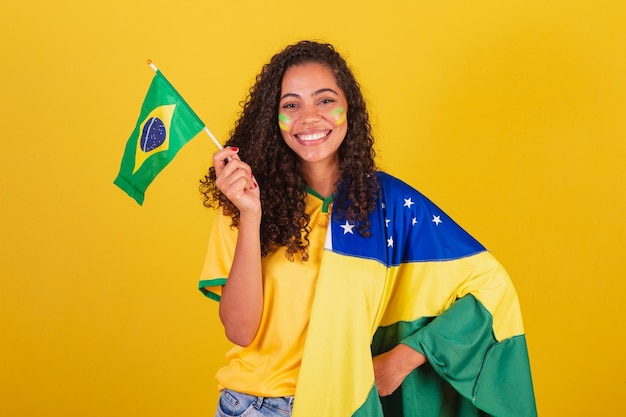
219, 257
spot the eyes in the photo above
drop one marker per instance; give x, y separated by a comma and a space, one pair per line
323, 102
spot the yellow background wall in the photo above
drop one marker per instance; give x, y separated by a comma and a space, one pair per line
511, 115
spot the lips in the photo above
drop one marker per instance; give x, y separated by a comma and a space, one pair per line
309, 137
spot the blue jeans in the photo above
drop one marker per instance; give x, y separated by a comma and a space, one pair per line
233, 404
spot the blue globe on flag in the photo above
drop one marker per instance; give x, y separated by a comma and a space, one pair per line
153, 134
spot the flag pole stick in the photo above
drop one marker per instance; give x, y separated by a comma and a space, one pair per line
206, 129
208, 132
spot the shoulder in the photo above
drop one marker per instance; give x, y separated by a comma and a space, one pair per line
425, 230
387, 180
395, 189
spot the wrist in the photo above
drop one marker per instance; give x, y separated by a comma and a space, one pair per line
250, 217
410, 357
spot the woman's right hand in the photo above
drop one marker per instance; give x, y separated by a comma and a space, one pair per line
235, 180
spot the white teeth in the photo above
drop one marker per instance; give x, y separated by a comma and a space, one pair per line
313, 136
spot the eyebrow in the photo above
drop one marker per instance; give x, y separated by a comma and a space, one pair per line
315, 93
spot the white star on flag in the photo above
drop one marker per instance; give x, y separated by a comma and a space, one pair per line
436, 220
347, 228
387, 222
390, 242
414, 221
408, 202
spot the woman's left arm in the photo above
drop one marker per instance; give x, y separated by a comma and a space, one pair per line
390, 368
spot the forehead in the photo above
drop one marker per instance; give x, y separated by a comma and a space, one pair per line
311, 75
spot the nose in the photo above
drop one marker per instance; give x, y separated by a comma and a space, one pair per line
310, 115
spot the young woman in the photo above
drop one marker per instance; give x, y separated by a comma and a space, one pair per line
345, 291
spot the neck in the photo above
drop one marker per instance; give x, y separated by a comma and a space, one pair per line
322, 179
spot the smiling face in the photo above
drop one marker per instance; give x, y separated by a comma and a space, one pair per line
312, 114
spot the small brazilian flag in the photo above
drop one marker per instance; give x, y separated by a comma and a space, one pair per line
166, 123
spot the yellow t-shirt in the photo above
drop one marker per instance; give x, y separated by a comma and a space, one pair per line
269, 366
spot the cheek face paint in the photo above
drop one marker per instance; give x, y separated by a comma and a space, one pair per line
283, 122
339, 114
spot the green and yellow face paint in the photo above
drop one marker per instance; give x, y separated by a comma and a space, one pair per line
339, 114
283, 122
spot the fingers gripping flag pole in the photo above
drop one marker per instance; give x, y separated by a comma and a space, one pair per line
165, 124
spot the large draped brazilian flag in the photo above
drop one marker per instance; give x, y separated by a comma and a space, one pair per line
419, 280
166, 123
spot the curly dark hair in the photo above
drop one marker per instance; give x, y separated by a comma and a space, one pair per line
277, 168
